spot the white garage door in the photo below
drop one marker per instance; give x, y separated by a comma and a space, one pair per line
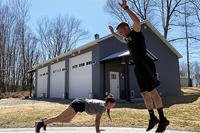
42, 78
57, 80
80, 76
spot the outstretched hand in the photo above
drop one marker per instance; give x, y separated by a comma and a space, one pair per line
123, 4
111, 29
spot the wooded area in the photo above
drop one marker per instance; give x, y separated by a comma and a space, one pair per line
21, 48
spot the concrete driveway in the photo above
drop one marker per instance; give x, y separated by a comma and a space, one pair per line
84, 130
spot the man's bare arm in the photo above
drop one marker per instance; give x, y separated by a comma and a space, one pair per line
117, 36
135, 19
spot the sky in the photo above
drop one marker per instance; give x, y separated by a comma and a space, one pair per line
91, 13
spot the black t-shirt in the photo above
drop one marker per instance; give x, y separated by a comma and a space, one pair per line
136, 45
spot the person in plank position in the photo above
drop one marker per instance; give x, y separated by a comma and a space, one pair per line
90, 106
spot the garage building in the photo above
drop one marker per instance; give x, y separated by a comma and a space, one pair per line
104, 66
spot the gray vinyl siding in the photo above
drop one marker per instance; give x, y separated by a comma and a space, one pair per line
167, 64
36, 82
133, 85
110, 46
106, 48
96, 70
48, 82
67, 78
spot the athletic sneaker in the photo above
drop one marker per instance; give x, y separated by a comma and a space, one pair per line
45, 127
162, 126
152, 123
39, 125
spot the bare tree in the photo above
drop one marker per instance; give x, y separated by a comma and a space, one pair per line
187, 15
59, 35
187, 42
18, 50
21, 8
196, 73
6, 23
168, 10
183, 69
115, 11
195, 9
152, 10
142, 8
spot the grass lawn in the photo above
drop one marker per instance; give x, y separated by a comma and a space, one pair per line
182, 111
18, 94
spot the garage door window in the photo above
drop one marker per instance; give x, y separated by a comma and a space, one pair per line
82, 64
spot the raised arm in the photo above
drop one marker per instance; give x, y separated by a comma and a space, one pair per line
117, 36
97, 122
135, 19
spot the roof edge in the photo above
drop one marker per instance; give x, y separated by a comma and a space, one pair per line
90, 44
68, 53
161, 37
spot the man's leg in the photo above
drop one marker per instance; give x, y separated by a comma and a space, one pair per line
149, 105
156, 98
159, 105
147, 99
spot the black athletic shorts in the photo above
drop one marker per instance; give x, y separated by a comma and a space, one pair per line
145, 72
78, 105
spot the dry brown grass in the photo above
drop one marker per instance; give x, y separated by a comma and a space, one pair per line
183, 112
18, 94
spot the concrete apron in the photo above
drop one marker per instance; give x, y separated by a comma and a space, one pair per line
84, 130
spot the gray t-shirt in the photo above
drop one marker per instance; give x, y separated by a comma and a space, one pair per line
94, 106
